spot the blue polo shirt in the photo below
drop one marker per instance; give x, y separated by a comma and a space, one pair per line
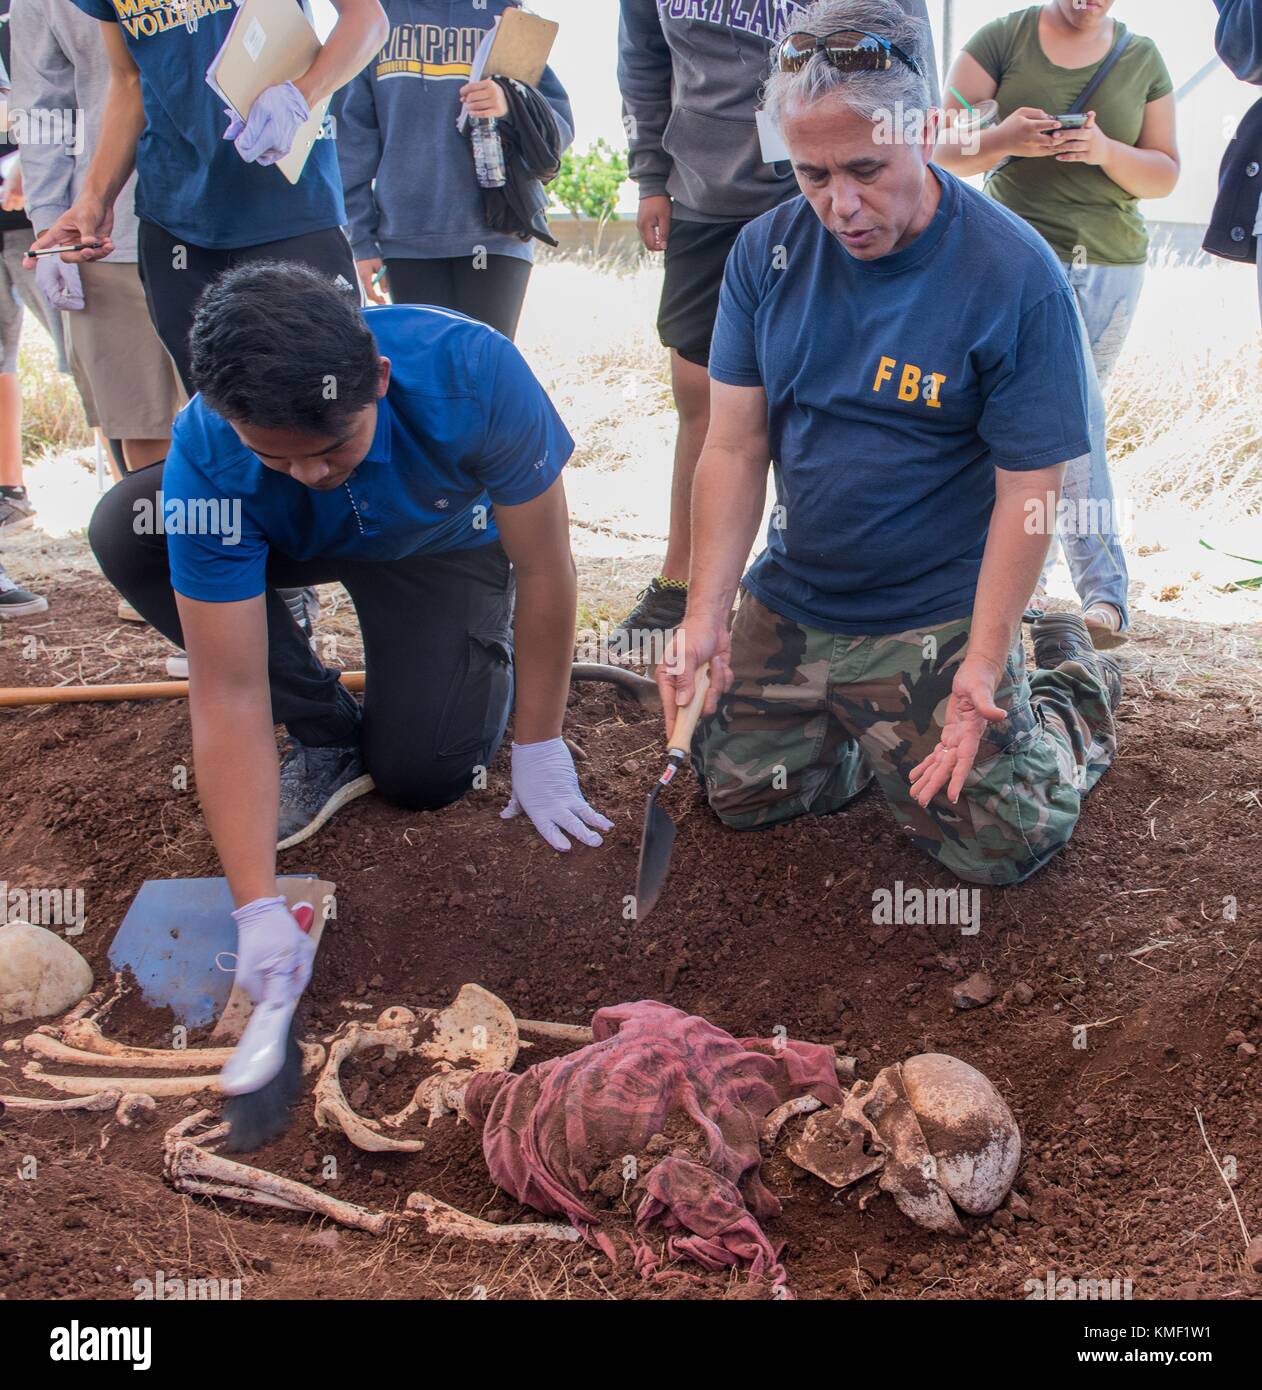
463, 427
895, 388
189, 179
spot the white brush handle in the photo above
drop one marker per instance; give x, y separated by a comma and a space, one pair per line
259, 1056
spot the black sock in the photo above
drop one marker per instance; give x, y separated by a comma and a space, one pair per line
17, 493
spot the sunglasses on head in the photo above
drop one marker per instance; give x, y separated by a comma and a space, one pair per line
851, 50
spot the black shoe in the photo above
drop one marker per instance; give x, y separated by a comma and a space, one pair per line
315, 783
1064, 637
304, 604
17, 603
660, 609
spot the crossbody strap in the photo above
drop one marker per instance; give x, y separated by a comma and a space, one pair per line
1106, 67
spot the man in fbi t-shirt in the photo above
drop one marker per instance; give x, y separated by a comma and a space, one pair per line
908, 356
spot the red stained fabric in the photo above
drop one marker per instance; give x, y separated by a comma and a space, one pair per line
549, 1133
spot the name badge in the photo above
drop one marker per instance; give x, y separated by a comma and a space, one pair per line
774, 150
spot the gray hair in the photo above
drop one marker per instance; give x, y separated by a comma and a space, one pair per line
871, 94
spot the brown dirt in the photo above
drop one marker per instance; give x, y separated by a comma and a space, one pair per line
1124, 934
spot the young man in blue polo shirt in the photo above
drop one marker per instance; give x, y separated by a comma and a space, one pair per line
409, 453
908, 356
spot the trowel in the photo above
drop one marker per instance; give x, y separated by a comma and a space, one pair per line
658, 838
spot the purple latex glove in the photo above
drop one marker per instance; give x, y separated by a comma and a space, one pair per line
545, 786
59, 280
274, 954
274, 120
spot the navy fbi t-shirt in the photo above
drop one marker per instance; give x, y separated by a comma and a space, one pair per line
463, 427
189, 179
895, 388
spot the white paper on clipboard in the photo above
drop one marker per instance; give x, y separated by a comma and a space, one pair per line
478, 66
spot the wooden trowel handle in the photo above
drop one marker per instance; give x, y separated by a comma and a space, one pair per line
686, 719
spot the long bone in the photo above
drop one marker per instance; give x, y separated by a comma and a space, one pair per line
82, 1044
193, 1169
101, 1100
159, 1087
130, 1109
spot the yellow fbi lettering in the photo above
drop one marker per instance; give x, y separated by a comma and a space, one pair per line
913, 383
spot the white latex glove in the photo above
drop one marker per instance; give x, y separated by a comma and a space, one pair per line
545, 786
276, 116
60, 282
274, 954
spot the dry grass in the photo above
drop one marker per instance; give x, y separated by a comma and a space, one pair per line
1185, 429
52, 414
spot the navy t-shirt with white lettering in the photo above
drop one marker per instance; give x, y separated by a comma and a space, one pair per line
189, 179
895, 388
464, 427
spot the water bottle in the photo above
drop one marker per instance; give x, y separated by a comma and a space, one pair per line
488, 152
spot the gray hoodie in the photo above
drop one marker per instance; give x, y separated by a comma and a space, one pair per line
690, 73
61, 77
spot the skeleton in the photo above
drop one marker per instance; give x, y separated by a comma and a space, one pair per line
914, 1127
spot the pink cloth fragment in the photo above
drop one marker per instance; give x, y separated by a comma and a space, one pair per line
549, 1133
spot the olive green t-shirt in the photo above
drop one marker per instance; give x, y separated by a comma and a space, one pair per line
1071, 204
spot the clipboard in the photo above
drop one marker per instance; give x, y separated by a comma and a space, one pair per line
520, 46
270, 42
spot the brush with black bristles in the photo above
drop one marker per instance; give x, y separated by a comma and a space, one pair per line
263, 1077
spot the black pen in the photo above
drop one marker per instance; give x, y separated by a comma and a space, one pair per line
57, 250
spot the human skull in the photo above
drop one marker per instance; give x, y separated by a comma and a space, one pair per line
968, 1127
934, 1129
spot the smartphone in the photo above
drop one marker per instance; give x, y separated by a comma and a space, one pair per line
1074, 122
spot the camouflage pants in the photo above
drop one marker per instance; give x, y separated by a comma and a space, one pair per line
812, 717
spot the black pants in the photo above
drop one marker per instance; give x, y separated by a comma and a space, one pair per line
491, 295
438, 649
174, 273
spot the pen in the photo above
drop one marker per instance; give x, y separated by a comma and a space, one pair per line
57, 250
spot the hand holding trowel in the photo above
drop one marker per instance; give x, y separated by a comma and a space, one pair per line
659, 830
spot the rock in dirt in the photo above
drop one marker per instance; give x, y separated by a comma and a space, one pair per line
979, 989
40, 973
1018, 1206
1234, 1038
1253, 1255
877, 1267
1022, 992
